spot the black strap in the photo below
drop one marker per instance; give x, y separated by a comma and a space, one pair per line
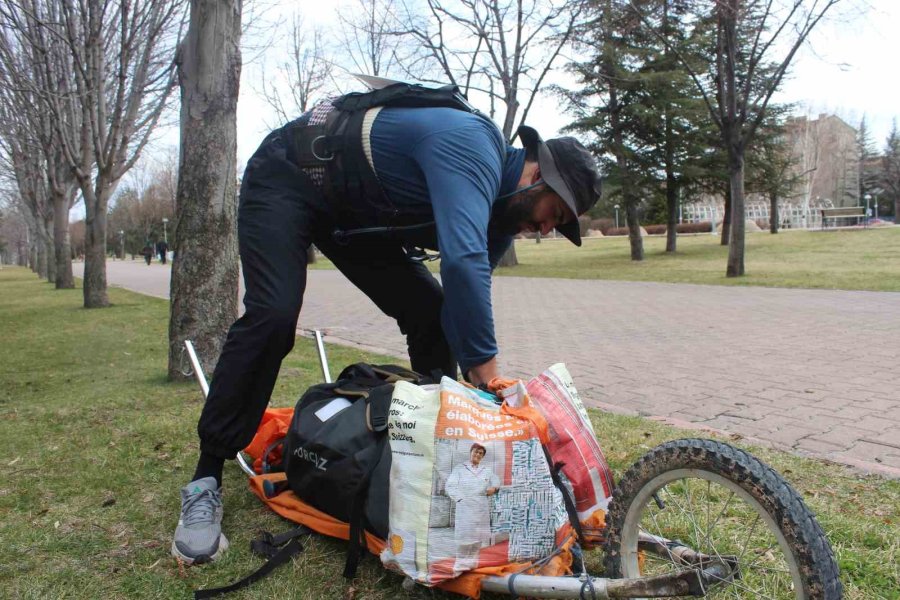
569, 502
285, 554
588, 586
378, 407
357, 542
268, 545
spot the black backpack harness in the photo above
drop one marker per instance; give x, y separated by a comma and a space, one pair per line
350, 185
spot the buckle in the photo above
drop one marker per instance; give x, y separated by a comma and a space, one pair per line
312, 148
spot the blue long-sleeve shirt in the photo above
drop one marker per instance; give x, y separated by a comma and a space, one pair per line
458, 163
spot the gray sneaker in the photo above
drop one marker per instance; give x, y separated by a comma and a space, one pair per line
199, 538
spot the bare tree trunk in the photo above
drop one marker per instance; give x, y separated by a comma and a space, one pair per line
204, 287
773, 214
726, 218
49, 244
94, 285
509, 258
736, 246
671, 213
62, 248
671, 183
40, 258
634, 229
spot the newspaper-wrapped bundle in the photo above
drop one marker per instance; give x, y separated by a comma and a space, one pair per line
470, 484
572, 441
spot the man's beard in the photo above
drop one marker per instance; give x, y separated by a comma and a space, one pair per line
509, 217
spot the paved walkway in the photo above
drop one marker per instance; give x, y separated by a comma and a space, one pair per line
814, 371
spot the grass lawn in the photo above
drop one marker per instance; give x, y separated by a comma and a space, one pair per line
94, 445
836, 259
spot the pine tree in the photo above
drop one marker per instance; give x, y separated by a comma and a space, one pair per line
868, 171
638, 106
890, 177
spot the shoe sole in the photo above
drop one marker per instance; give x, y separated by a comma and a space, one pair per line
201, 559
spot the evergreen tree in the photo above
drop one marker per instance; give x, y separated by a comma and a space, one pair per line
868, 172
890, 177
639, 107
770, 163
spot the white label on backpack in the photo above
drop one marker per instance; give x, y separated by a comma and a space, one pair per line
332, 408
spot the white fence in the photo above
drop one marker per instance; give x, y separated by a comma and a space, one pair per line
792, 215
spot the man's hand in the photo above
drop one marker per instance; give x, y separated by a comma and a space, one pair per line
491, 491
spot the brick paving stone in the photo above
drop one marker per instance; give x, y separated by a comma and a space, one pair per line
842, 435
886, 438
713, 353
788, 434
876, 452
818, 447
879, 404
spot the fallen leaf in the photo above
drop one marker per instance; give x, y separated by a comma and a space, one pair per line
56, 525
14, 461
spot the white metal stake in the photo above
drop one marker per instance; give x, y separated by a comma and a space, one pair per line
323, 360
201, 379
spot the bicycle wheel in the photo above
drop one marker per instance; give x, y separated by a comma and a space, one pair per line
728, 507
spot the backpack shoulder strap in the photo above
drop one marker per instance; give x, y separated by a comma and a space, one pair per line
268, 546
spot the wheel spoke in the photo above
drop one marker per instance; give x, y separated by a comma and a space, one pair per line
749, 536
659, 534
689, 516
699, 537
719, 516
755, 593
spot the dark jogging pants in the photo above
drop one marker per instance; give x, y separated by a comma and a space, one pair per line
281, 212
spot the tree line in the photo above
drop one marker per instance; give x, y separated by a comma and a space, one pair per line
673, 96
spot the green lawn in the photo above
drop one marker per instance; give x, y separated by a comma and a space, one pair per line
94, 444
835, 259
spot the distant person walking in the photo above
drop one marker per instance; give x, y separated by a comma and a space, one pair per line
147, 252
162, 248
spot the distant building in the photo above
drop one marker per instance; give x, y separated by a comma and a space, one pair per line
827, 168
826, 159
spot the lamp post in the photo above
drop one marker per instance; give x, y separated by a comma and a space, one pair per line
617, 215
875, 206
165, 237
867, 197
121, 244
